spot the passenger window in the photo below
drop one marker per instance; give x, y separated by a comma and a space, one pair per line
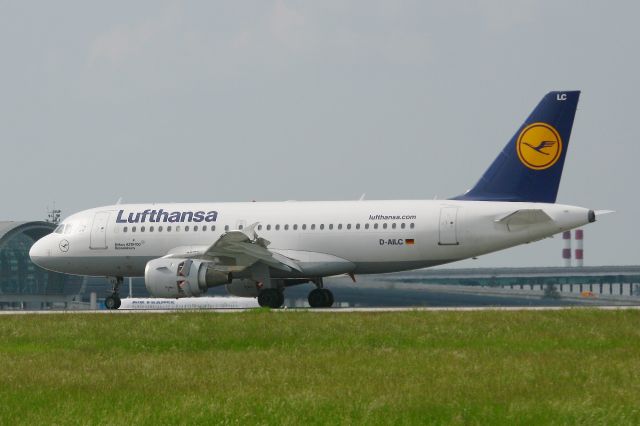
331, 226
240, 227
159, 228
321, 226
339, 226
313, 226
259, 227
384, 225
195, 228
226, 228
348, 226
204, 228
178, 228
366, 226
286, 227
412, 226
402, 225
186, 228
375, 226
295, 227
133, 229
393, 225
304, 226
357, 226
169, 228
151, 229
268, 227
277, 227
213, 228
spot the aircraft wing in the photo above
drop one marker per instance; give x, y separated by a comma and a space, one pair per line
236, 250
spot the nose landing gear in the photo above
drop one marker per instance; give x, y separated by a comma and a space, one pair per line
113, 301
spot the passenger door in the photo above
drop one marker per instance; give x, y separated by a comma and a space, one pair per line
99, 231
448, 226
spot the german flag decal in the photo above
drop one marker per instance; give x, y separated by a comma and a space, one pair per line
409, 241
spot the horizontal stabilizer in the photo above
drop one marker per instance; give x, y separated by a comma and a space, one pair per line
524, 217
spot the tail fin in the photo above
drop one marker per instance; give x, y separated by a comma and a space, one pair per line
530, 166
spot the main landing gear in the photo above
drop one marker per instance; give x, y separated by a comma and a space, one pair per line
271, 298
113, 301
320, 297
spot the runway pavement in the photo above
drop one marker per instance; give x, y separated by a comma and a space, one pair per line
326, 310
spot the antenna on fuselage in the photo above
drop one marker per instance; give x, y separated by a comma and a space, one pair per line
119, 201
362, 196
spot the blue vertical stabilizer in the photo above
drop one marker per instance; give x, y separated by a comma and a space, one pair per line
529, 168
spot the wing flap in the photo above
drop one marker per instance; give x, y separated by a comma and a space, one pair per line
237, 250
247, 248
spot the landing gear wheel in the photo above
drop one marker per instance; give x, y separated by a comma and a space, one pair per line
112, 302
320, 298
271, 298
329, 297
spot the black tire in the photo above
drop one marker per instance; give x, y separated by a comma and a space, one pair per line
328, 297
270, 298
112, 302
317, 298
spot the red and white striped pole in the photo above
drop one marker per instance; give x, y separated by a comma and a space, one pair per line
566, 251
579, 247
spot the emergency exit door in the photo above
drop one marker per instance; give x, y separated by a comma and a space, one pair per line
449, 226
99, 231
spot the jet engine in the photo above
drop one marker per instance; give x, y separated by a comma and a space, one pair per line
175, 278
243, 288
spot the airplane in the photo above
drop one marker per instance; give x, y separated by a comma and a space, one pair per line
188, 303
258, 249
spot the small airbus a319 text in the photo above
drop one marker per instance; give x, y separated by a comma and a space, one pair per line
258, 249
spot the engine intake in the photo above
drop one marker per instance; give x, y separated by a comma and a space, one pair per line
177, 278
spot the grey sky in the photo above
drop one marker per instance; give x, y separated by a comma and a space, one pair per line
275, 100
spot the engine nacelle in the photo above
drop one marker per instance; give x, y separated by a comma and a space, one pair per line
243, 288
176, 278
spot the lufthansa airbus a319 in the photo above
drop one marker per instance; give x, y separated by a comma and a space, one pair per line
258, 249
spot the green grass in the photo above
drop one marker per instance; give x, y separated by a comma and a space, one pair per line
486, 367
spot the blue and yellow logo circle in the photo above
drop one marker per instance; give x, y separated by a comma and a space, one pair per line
539, 146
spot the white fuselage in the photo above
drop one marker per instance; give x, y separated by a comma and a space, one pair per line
326, 238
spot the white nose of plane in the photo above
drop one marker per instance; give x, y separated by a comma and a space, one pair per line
40, 253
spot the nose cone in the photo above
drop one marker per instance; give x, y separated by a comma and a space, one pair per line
39, 253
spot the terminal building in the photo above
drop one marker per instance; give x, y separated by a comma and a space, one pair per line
24, 285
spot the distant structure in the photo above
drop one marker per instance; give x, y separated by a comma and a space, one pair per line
566, 249
23, 284
579, 248
53, 215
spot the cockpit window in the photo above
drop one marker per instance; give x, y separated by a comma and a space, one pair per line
68, 229
59, 229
